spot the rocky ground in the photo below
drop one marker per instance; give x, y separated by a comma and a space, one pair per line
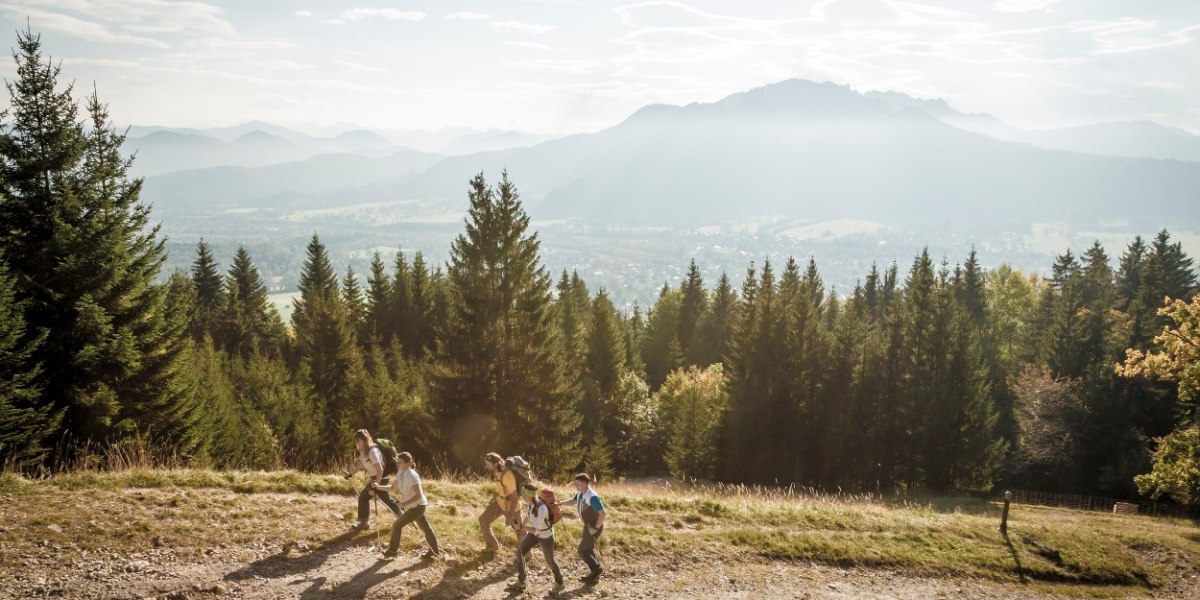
350, 566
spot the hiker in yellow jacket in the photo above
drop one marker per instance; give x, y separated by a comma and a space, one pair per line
505, 502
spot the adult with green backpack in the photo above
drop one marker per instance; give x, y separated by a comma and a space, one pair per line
379, 459
509, 476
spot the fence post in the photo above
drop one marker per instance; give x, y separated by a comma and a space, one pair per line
1004, 515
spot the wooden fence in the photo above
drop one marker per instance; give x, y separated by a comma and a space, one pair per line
1078, 502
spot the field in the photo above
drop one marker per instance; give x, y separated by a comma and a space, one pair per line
196, 533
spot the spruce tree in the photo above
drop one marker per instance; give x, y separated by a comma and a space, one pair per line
500, 383
402, 303
356, 305
716, 326
209, 293
377, 328
325, 346
249, 323
604, 364
661, 348
25, 426
424, 307
86, 260
692, 304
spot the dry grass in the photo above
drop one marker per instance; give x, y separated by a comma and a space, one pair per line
193, 510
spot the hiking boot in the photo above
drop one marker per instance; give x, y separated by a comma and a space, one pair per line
389, 554
516, 586
488, 553
592, 577
359, 526
430, 555
558, 587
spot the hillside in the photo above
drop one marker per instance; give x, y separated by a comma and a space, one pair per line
191, 534
799, 149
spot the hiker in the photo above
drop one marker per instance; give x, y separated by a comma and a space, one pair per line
407, 485
591, 512
370, 459
505, 502
538, 527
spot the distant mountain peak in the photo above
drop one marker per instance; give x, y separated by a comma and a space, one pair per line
259, 136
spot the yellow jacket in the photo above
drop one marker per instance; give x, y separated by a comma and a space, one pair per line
506, 491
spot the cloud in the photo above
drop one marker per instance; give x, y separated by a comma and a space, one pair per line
510, 26
227, 44
562, 66
358, 67
303, 14
467, 16
1023, 6
387, 14
148, 16
524, 44
82, 29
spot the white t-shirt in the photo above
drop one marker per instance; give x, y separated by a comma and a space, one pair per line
406, 480
537, 520
373, 457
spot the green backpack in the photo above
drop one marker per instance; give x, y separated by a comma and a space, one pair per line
391, 457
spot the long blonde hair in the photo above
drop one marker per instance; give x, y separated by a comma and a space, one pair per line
364, 435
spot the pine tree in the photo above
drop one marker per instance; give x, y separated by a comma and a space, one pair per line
249, 322
86, 261
377, 330
695, 401
604, 364
635, 331
25, 426
692, 305
209, 293
424, 307
402, 302
661, 349
500, 381
716, 326
356, 305
325, 346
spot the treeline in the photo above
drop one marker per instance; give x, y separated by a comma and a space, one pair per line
936, 375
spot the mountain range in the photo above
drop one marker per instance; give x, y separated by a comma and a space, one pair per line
796, 149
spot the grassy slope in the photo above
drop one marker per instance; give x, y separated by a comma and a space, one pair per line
193, 510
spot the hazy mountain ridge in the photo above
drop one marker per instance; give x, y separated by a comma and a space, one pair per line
795, 149
816, 151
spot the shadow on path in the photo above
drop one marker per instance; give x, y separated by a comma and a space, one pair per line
452, 583
282, 565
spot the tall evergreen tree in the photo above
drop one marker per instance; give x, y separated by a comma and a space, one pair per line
662, 351
716, 326
24, 425
356, 304
86, 261
249, 322
325, 346
604, 365
692, 304
209, 293
500, 378
377, 329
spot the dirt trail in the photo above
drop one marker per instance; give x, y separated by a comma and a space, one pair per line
349, 567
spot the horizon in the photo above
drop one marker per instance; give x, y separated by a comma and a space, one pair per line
562, 67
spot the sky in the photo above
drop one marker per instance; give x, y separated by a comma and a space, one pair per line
560, 66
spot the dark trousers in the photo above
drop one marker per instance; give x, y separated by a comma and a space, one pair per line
364, 502
587, 549
547, 544
416, 515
